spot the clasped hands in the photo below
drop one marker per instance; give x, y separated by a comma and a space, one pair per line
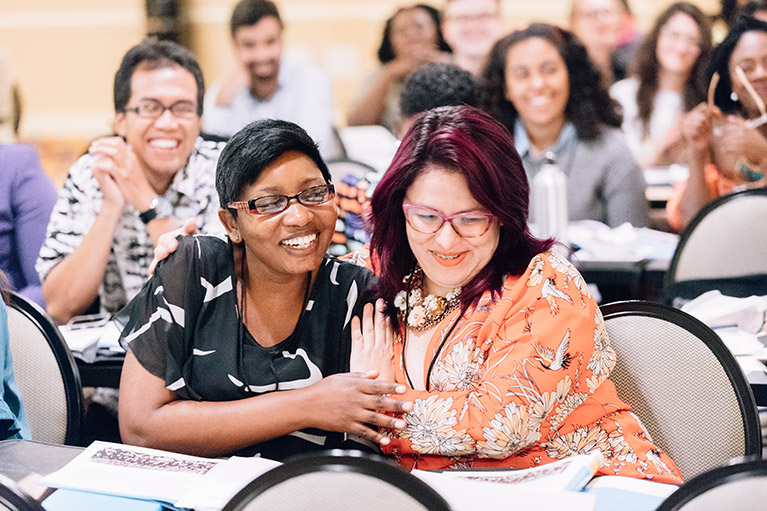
119, 175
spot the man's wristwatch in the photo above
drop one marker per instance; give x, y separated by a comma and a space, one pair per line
158, 208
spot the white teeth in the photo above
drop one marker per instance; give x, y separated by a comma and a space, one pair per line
162, 143
300, 242
539, 101
446, 256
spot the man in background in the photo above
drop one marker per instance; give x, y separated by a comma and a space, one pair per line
265, 85
131, 188
471, 27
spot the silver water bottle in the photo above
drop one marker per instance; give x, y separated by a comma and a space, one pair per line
549, 193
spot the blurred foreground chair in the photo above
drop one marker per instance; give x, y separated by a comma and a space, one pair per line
685, 385
739, 487
337, 481
13, 498
48, 379
723, 248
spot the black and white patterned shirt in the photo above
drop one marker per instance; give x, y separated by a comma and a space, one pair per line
184, 327
192, 194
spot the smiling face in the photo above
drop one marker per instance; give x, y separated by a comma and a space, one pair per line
412, 32
471, 27
163, 145
537, 82
259, 48
291, 242
678, 44
448, 260
597, 23
751, 55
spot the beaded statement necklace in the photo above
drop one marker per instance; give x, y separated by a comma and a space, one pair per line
420, 313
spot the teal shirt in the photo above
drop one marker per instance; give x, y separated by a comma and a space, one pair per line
13, 420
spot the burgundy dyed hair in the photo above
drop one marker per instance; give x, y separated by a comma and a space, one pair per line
466, 140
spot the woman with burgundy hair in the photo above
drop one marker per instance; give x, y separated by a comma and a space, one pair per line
502, 348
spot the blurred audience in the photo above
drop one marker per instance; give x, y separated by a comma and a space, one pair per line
265, 85
727, 141
131, 188
411, 38
756, 9
27, 196
669, 78
433, 85
599, 24
13, 420
540, 83
471, 27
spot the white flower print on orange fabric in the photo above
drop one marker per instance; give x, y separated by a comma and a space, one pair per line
562, 265
580, 441
512, 429
460, 369
569, 404
536, 271
603, 358
431, 428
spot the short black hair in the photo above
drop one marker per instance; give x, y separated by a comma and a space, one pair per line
437, 84
386, 51
250, 12
150, 54
255, 147
720, 63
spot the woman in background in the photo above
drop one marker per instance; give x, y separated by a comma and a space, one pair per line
501, 346
540, 83
669, 79
727, 142
13, 421
412, 37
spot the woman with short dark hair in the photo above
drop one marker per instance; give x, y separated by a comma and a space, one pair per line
235, 345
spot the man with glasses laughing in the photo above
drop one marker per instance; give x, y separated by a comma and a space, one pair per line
131, 188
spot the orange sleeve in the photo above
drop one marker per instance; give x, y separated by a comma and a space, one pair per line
716, 184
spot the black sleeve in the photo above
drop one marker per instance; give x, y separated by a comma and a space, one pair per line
153, 322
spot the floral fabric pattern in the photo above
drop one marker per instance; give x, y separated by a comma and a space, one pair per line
523, 380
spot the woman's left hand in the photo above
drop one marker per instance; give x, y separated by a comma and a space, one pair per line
373, 342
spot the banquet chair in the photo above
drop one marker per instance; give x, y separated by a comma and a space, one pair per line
337, 480
48, 379
13, 498
683, 383
722, 248
740, 486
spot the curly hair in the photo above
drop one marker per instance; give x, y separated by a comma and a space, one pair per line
720, 63
437, 84
588, 106
647, 66
466, 140
386, 51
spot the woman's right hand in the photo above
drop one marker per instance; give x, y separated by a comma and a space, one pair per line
355, 402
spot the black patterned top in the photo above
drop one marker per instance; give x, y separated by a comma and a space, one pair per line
184, 327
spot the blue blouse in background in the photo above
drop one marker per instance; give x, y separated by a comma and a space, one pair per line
27, 196
13, 420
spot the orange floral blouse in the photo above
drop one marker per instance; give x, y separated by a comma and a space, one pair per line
523, 381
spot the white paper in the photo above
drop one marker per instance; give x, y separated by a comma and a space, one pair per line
151, 474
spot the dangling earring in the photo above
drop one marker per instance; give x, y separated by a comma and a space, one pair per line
734, 96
